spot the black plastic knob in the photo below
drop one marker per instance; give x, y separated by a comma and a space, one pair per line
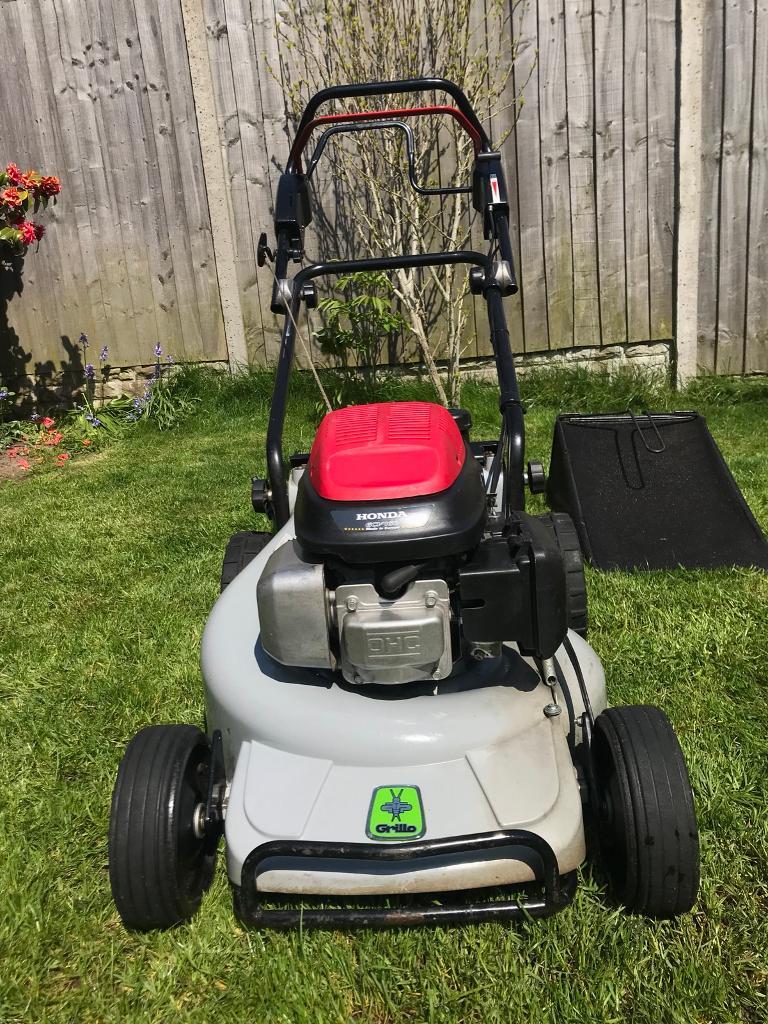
537, 478
476, 280
309, 295
261, 496
463, 420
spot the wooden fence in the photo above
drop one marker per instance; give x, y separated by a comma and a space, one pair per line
733, 248
168, 126
99, 93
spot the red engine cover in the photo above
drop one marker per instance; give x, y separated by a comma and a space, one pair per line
388, 450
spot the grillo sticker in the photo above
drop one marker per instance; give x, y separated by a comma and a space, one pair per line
381, 520
396, 813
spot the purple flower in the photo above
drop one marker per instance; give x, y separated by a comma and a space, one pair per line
138, 403
84, 340
89, 371
169, 360
158, 350
93, 420
104, 355
3, 394
35, 417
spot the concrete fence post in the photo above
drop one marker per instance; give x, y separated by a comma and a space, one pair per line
216, 185
688, 188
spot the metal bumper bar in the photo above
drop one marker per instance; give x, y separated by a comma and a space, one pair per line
557, 891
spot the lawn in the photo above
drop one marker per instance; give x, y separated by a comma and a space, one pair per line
108, 571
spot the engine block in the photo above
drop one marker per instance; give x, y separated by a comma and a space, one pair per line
399, 640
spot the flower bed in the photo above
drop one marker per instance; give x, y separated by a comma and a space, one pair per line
53, 441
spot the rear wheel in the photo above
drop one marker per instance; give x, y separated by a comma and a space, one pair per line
160, 861
242, 548
576, 587
646, 822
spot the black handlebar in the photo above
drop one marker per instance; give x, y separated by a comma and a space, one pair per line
343, 92
494, 279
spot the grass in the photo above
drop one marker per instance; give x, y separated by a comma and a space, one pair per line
109, 570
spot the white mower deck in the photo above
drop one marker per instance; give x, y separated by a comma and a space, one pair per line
310, 753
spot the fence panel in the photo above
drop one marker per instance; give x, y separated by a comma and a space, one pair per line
99, 93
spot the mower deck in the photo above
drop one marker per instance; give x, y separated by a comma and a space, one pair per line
478, 746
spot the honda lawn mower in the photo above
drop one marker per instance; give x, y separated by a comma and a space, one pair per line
406, 724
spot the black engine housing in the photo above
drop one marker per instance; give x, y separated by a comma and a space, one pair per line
406, 530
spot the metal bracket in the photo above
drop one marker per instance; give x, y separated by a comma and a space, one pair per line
502, 275
662, 445
284, 292
213, 822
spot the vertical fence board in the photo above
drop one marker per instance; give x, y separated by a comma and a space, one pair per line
64, 264
711, 130
531, 269
117, 133
756, 340
734, 188
553, 142
39, 302
144, 170
502, 126
193, 193
86, 109
636, 171
72, 215
275, 123
661, 162
578, 32
609, 169
232, 53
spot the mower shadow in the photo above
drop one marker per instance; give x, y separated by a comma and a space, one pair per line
509, 670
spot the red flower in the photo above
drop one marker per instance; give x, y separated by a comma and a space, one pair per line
14, 174
48, 186
13, 453
28, 234
10, 197
53, 439
39, 231
22, 464
30, 180
62, 457
46, 422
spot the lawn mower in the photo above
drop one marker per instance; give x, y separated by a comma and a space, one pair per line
405, 722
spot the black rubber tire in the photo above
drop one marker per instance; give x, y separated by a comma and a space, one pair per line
158, 868
241, 549
576, 586
646, 821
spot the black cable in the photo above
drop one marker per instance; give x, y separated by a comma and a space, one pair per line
580, 677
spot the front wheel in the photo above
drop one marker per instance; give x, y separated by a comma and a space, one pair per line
646, 822
160, 859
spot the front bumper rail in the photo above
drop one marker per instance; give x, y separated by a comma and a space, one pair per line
558, 891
